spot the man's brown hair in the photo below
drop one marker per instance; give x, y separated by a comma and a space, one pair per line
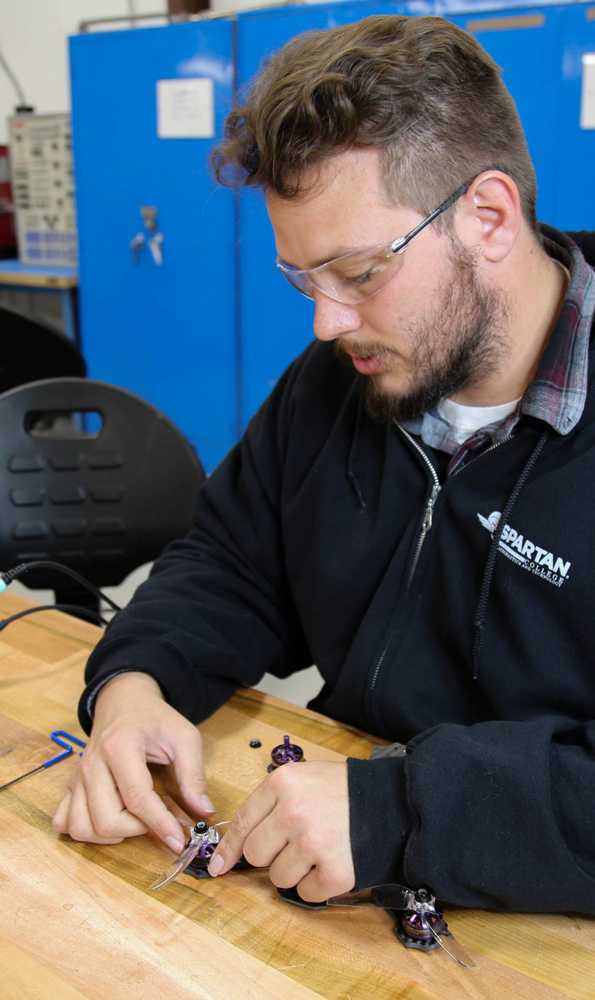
419, 88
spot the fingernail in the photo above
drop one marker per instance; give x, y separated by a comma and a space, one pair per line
175, 844
205, 804
216, 865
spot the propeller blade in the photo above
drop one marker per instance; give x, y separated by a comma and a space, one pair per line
185, 858
453, 949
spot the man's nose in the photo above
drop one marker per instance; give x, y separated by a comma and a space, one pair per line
333, 319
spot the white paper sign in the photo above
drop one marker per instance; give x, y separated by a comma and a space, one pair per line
588, 95
185, 109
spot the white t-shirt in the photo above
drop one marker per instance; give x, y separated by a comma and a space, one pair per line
466, 420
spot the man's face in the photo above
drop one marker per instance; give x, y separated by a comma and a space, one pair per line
433, 330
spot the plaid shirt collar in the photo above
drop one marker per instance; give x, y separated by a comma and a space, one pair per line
558, 392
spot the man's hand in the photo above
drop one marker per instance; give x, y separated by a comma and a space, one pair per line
112, 796
297, 823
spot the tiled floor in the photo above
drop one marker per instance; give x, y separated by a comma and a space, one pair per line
298, 689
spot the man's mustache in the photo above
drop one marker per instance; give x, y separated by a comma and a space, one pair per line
363, 351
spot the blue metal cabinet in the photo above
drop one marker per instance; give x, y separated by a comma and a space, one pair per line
574, 159
525, 43
166, 332
540, 52
539, 48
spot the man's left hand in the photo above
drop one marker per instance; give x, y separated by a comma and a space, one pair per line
296, 823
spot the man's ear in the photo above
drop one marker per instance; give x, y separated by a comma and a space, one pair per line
491, 215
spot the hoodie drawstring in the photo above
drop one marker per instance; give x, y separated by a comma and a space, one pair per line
486, 584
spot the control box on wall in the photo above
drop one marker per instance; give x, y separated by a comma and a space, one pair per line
43, 188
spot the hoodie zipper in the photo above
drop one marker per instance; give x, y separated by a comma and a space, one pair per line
436, 487
426, 525
481, 454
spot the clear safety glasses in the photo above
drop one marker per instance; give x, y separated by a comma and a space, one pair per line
358, 275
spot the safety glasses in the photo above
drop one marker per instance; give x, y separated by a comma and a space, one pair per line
358, 275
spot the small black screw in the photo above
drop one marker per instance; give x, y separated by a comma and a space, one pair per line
255, 744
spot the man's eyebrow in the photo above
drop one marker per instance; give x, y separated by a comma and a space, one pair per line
337, 252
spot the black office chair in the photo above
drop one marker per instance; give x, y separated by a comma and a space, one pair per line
92, 477
32, 350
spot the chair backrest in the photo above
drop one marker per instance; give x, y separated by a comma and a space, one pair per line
32, 350
102, 502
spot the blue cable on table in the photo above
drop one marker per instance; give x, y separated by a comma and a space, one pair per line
60, 738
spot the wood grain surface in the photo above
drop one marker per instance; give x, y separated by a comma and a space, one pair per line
79, 921
35, 279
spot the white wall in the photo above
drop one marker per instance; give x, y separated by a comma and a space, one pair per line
33, 37
33, 40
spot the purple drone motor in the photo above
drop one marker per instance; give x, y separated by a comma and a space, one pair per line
205, 851
285, 753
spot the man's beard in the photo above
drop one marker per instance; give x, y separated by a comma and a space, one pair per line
460, 342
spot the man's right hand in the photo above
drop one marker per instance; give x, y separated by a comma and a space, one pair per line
112, 795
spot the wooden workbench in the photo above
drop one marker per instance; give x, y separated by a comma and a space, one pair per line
13, 272
61, 282
79, 921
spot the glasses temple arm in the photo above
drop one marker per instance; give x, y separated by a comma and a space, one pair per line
402, 243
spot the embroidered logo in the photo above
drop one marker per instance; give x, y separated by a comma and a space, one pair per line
525, 553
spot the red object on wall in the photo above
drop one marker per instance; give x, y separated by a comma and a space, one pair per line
8, 242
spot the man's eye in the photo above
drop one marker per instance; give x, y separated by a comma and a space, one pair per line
362, 279
366, 276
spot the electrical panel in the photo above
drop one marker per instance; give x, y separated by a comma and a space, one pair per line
43, 189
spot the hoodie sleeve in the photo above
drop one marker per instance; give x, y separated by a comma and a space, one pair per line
216, 612
495, 815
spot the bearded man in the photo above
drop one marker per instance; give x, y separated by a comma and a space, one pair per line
411, 509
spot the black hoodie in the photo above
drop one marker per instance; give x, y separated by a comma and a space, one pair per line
302, 552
